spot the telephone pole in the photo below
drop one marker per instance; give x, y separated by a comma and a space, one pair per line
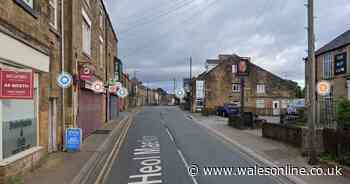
190, 85
312, 118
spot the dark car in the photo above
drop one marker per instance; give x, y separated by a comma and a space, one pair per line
228, 110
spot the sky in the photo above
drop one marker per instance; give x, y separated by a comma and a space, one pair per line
157, 37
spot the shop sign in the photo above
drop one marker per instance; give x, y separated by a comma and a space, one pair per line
340, 64
113, 89
16, 84
73, 139
98, 87
85, 73
243, 69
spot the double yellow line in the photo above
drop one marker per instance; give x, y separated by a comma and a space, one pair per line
104, 173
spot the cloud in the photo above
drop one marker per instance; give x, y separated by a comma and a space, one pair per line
157, 37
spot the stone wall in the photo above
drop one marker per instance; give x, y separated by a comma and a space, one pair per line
295, 136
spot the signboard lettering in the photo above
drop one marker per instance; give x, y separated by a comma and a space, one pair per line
16, 84
340, 64
73, 139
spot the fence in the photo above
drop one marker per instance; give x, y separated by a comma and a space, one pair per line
327, 112
337, 142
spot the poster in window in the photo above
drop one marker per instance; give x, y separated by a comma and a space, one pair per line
18, 126
340, 64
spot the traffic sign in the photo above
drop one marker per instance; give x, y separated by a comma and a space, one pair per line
64, 80
323, 88
180, 93
122, 92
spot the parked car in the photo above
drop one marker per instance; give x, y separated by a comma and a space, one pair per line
228, 110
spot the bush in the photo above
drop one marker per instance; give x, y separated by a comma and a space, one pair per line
343, 113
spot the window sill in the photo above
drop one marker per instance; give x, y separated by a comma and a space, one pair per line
55, 31
20, 155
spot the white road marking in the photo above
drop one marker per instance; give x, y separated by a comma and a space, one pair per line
186, 164
171, 136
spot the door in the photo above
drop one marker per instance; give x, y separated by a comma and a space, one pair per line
276, 108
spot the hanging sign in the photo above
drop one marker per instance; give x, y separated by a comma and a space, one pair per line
16, 84
243, 69
85, 72
340, 64
98, 87
323, 88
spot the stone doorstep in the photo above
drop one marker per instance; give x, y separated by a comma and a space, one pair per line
331, 164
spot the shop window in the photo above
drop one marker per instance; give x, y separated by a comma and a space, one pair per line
53, 13
18, 125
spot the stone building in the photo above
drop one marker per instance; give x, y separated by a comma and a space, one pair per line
90, 53
30, 44
332, 61
265, 93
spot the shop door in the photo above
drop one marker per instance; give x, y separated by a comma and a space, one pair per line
89, 112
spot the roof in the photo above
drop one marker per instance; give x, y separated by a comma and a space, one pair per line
340, 41
213, 61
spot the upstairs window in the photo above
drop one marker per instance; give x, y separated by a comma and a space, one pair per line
53, 13
234, 68
328, 66
86, 34
260, 104
260, 89
29, 3
101, 19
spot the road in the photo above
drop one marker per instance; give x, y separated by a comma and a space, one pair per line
163, 141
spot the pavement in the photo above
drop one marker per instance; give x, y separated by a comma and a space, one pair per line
163, 142
271, 151
64, 167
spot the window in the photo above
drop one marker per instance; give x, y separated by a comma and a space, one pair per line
260, 89
101, 19
327, 66
53, 13
236, 88
87, 2
19, 130
234, 68
260, 104
29, 3
86, 34
101, 63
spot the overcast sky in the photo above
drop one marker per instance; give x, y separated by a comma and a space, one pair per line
156, 37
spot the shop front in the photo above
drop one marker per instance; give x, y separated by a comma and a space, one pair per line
91, 98
20, 69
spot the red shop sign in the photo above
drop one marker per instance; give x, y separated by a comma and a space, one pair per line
16, 84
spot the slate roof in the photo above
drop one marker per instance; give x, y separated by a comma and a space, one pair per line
340, 41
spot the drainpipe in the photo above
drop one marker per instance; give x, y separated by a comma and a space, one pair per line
62, 70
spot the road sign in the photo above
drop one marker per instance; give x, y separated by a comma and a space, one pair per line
323, 88
122, 92
73, 139
64, 80
180, 93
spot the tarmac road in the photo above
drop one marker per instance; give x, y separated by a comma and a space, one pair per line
163, 143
